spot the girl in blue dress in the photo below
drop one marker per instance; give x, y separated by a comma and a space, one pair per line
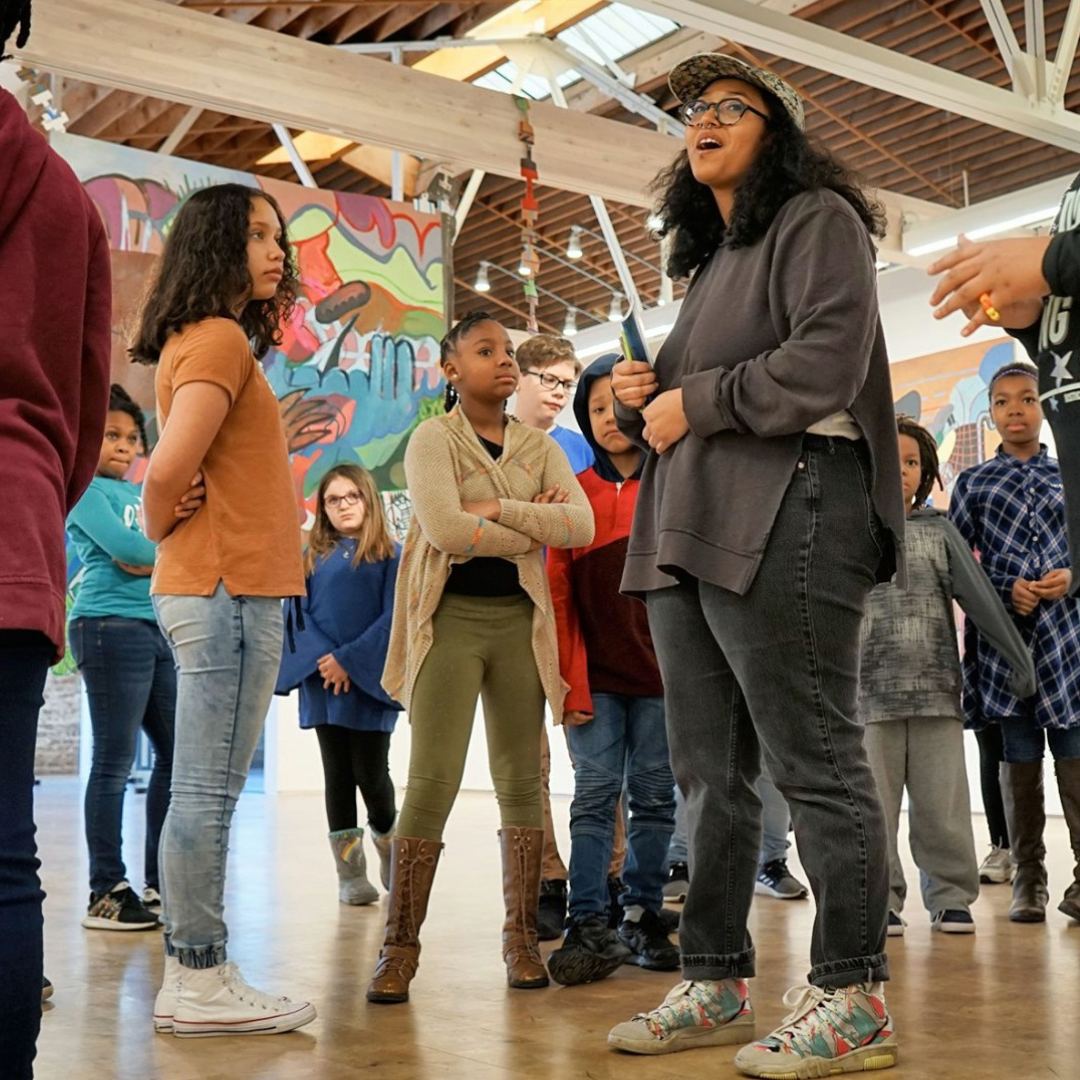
351, 566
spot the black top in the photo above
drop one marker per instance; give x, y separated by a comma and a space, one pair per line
1054, 344
485, 576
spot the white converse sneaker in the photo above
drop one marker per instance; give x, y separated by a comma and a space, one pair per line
217, 1001
168, 995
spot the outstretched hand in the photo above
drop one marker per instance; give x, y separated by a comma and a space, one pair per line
1008, 272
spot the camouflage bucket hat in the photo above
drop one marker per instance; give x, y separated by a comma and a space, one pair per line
689, 78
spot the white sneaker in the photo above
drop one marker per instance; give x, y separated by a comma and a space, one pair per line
168, 995
997, 867
217, 1001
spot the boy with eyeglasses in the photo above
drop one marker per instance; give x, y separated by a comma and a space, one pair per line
549, 374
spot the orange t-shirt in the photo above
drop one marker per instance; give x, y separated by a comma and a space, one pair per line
247, 534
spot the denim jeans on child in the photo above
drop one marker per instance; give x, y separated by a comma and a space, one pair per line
228, 649
25, 657
775, 824
778, 668
626, 738
1026, 742
130, 677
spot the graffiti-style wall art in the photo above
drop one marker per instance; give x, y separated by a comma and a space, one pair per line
948, 393
359, 364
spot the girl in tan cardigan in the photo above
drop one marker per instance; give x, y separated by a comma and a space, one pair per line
473, 616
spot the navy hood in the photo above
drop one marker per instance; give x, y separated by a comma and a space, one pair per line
596, 370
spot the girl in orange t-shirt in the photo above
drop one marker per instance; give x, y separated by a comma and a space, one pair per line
226, 281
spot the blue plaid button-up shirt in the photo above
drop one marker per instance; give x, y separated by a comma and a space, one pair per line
1012, 513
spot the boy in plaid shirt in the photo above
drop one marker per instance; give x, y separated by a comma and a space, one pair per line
1011, 510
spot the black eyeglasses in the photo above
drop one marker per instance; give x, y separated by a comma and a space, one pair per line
550, 382
729, 111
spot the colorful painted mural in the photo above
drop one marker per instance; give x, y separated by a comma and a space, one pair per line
947, 392
358, 367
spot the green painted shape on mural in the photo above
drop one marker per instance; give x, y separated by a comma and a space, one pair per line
399, 275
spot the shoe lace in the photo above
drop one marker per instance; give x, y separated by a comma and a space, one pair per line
687, 1000
247, 993
815, 1013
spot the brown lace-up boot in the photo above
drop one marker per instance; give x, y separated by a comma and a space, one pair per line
522, 853
412, 871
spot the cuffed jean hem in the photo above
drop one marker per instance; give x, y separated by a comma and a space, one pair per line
861, 969
205, 956
709, 966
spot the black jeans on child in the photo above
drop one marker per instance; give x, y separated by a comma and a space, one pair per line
25, 657
776, 672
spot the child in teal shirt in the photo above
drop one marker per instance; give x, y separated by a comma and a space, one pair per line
128, 670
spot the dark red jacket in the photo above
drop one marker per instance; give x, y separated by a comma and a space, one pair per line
604, 641
55, 345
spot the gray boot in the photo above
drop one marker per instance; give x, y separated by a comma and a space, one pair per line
384, 843
1068, 778
353, 885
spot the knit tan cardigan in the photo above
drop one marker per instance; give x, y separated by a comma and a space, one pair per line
445, 466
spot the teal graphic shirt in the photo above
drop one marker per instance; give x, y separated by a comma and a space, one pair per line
104, 530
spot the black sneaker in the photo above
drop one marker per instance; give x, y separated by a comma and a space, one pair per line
551, 911
119, 909
669, 920
677, 884
615, 889
953, 921
151, 900
648, 941
775, 879
590, 951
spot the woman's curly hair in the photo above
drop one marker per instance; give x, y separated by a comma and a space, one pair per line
788, 163
204, 272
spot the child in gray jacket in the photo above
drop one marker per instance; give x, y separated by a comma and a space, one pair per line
909, 695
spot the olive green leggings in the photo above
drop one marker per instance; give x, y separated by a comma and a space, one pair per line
482, 648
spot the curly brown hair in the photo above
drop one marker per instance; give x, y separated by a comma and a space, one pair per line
789, 162
204, 270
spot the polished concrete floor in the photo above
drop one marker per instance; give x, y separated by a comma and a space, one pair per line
1004, 1003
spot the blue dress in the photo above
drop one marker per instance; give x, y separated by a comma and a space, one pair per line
347, 612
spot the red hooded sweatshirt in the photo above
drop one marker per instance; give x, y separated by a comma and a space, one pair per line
55, 344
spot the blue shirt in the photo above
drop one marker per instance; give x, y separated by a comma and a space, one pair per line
104, 529
575, 446
1012, 513
347, 612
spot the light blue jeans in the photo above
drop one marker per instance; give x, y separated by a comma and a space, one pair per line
227, 651
775, 824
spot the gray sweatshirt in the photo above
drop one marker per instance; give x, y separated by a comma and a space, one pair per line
770, 340
910, 665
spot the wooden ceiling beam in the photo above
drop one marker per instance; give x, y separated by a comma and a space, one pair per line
401, 16
132, 44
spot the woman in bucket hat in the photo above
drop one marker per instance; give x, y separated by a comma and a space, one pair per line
769, 506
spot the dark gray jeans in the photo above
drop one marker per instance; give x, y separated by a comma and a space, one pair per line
778, 669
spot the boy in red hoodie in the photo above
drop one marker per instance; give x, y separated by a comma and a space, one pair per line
614, 716
55, 316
